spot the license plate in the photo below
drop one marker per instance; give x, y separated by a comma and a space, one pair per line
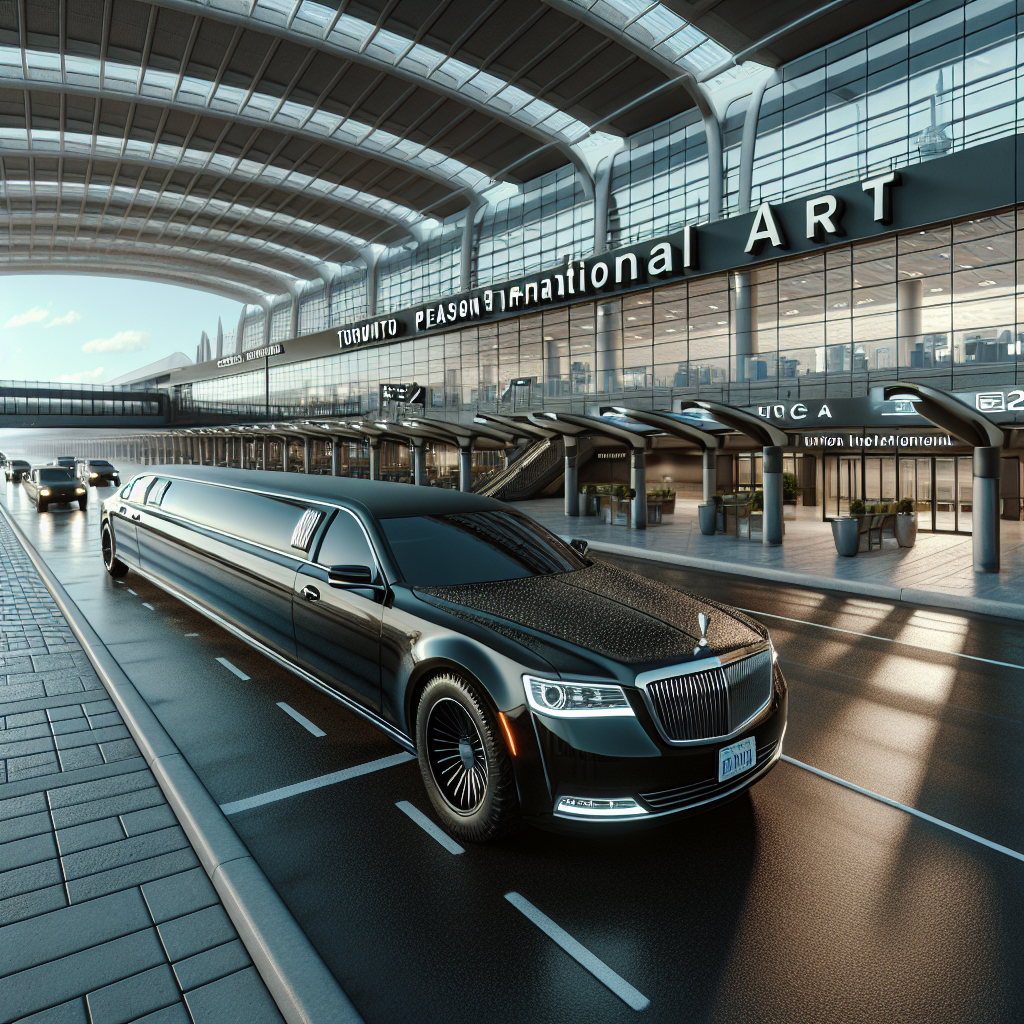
736, 758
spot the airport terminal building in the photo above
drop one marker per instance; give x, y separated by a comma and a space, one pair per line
808, 235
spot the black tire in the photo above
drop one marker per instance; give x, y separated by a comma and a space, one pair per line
464, 762
83, 503
114, 566
41, 506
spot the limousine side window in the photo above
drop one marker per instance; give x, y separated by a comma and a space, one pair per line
255, 517
345, 544
138, 491
157, 492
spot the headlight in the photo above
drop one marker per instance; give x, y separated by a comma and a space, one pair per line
576, 700
45, 492
92, 476
79, 490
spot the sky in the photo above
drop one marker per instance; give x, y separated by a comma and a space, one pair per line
56, 327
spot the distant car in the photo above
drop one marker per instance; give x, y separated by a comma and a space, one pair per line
64, 461
16, 469
97, 472
54, 485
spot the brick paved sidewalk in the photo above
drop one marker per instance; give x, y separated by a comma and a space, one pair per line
105, 914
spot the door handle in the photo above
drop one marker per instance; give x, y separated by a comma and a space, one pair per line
311, 593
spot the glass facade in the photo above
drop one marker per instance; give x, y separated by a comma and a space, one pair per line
939, 77
938, 306
550, 220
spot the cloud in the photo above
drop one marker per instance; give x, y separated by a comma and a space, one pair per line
123, 341
82, 377
71, 317
33, 316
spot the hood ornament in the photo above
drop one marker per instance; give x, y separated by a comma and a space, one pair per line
702, 621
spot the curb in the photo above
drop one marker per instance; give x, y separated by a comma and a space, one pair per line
298, 980
932, 598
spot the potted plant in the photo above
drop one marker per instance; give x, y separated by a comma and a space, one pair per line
906, 523
857, 507
789, 493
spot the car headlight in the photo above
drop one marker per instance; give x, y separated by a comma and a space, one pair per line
560, 699
79, 490
92, 476
45, 492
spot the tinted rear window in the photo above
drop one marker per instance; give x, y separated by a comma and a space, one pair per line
54, 475
475, 547
255, 517
100, 465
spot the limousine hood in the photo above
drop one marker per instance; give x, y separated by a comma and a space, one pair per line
606, 611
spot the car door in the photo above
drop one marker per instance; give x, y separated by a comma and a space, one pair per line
337, 630
229, 549
124, 516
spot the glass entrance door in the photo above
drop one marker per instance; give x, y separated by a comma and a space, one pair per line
945, 494
964, 494
941, 488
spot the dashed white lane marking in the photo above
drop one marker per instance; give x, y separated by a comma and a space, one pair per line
884, 639
146, 604
429, 827
231, 668
191, 634
130, 591
598, 968
273, 795
903, 807
301, 719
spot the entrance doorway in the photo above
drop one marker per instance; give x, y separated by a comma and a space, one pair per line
941, 487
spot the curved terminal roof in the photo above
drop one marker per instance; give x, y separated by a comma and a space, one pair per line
244, 144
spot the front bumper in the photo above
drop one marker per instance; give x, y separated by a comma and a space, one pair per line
626, 758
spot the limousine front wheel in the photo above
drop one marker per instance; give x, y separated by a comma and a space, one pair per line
111, 562
464, 762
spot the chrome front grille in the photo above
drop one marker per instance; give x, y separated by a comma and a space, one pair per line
693, 706
711, 702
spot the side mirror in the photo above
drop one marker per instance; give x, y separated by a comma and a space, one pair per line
580, 546
350, 576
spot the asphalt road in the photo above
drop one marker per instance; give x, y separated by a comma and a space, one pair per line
803, 901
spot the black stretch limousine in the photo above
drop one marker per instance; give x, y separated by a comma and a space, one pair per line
531, 681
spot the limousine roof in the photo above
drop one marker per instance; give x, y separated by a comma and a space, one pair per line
381, 499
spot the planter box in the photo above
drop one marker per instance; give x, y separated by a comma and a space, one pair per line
846, 534
906, 530
590, 504
789, 510
707, 515
655, 510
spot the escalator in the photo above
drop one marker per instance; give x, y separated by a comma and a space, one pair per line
536, 469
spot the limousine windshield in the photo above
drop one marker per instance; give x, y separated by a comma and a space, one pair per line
54, 475
475, 547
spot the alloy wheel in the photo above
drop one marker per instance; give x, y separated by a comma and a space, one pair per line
455, 752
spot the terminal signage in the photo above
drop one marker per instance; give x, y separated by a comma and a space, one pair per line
263, 353
1001, 405
229, 361
860, 441
404, 394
